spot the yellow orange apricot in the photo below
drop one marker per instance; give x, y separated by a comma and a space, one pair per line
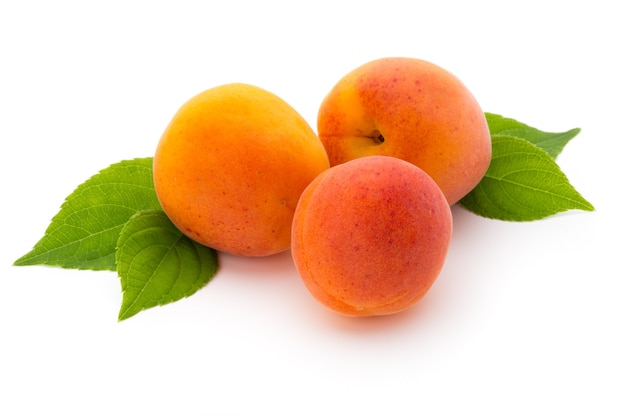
231, 165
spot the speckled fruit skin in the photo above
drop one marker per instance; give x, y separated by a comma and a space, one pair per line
370, 236
231, 165
425, 114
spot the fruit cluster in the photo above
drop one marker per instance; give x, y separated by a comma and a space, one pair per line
364, 204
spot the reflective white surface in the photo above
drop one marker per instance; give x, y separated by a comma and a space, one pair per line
525, 319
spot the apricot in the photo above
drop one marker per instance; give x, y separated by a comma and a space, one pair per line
231, 165
413, 110
371, 235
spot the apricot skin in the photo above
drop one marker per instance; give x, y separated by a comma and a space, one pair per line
231, 165
425, 115
370, 236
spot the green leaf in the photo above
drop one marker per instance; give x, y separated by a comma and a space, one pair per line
522, 183
84, 233
157, 264
553, 143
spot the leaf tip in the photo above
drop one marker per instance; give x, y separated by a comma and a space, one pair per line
121, 317
23, 260
588, 206
125, 313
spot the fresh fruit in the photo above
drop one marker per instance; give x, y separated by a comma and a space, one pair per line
370, 236
231, 165
413, 110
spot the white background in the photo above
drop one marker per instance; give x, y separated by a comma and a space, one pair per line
525, 319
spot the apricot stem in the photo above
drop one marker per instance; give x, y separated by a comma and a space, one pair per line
377, 137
